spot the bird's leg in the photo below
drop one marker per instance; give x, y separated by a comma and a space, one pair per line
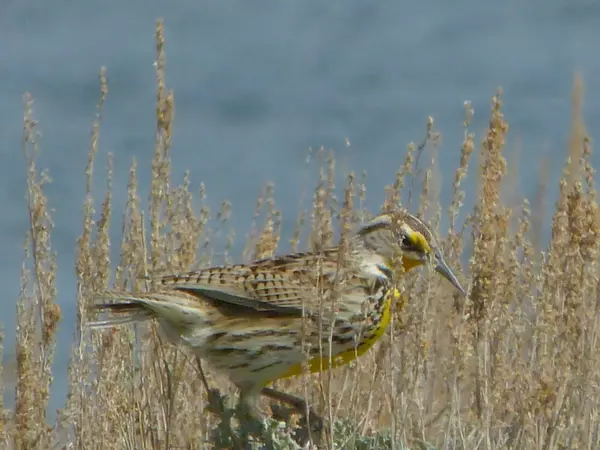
253, 421
314, 422
296, 402
249, 406
216, 401
216, 405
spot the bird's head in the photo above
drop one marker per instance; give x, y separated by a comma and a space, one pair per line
401, 236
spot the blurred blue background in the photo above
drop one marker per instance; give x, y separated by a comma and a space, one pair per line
258, 83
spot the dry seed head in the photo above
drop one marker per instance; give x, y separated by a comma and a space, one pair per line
531, 369
393, 199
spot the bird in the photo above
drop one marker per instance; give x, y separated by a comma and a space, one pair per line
273, 318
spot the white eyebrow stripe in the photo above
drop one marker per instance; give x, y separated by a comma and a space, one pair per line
407, 229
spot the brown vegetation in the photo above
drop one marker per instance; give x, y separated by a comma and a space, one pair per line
512, 366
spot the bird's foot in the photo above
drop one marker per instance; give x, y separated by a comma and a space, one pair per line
311, 425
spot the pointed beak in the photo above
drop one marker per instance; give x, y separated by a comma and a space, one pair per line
442, 268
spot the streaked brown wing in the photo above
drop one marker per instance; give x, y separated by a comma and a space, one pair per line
283, 285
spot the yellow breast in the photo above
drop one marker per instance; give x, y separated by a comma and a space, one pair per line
323, 363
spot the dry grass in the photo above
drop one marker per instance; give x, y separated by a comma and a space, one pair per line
512, 366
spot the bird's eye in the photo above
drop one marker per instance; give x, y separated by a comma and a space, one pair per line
407, 241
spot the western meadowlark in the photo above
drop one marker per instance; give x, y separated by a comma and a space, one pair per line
258, 322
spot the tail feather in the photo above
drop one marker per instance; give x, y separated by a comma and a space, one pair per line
123, 313
126, 307
118, 321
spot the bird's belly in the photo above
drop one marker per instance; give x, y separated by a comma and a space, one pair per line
255, 353
268, 351
347, 349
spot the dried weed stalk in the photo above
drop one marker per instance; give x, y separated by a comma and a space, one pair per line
514, 365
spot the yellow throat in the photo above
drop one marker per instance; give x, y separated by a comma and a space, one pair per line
323, 363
